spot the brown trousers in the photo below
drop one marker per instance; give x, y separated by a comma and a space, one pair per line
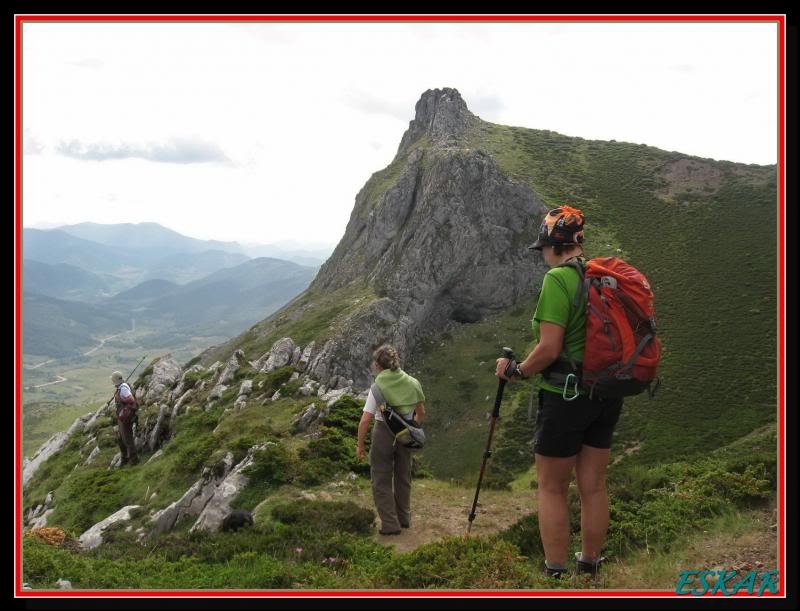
390, 468
125, 439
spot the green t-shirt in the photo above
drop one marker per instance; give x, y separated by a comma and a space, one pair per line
556, 306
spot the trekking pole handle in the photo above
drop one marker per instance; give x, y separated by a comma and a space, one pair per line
498, 399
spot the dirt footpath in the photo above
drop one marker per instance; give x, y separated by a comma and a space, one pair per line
439, 509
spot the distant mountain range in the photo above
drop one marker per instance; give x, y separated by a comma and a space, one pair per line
56, 246
149, 237
62, 281
59, 328
221, 303
86, 280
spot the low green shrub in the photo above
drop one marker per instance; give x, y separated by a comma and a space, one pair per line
273, 380
526, 536
191, 378
290, 388
461, 562
326, 516
345, 415
88, 497
194, 454
333, 452
272, 467
192, 362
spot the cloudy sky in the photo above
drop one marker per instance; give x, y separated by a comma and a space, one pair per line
262, 132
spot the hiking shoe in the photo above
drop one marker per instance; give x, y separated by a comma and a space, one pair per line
592, 568
405, 525
554, 573
389, 532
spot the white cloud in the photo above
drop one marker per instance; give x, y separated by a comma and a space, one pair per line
306, 112
176, 150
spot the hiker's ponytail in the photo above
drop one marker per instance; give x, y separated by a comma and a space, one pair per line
386, 357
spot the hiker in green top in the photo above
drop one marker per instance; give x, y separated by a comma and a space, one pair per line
573, 431
390, 462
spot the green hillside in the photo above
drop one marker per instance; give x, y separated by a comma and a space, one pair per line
62, 281
59, 328
704, 233
329, 542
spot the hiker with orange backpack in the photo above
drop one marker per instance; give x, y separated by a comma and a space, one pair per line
597, 343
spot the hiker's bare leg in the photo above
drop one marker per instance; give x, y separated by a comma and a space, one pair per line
554, 476
590, 472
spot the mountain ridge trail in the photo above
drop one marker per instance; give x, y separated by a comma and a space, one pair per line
440, 509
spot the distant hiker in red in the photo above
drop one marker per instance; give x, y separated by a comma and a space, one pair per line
580, 393
390, 460
126, 407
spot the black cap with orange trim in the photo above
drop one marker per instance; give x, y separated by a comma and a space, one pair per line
562, 226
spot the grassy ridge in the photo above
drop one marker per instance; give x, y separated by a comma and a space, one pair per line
313, 315
710, 254
456, 371
323, 544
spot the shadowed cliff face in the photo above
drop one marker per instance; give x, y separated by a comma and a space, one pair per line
446, 241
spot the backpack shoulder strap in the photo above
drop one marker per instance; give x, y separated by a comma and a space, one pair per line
581, 292
377, 394
380, 401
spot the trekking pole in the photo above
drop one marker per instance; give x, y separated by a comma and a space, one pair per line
128, 378
501, 384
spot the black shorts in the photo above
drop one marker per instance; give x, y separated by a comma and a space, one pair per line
562, 427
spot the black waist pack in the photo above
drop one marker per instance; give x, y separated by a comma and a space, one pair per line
406, 432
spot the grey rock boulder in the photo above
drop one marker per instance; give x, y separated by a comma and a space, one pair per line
177, 408
41, 521
93, 537
92, 423
183, 384
309, 419
332, 396
216, 392
246, 388
309, 388
234, 363
90, 459
305, 356
52, 446
116, 461
166, 372
194, 499
279, 356
218, 506
160, 431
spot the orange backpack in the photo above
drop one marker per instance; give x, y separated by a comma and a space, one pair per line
622, 349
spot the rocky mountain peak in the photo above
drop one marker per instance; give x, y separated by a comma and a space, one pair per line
442, 115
